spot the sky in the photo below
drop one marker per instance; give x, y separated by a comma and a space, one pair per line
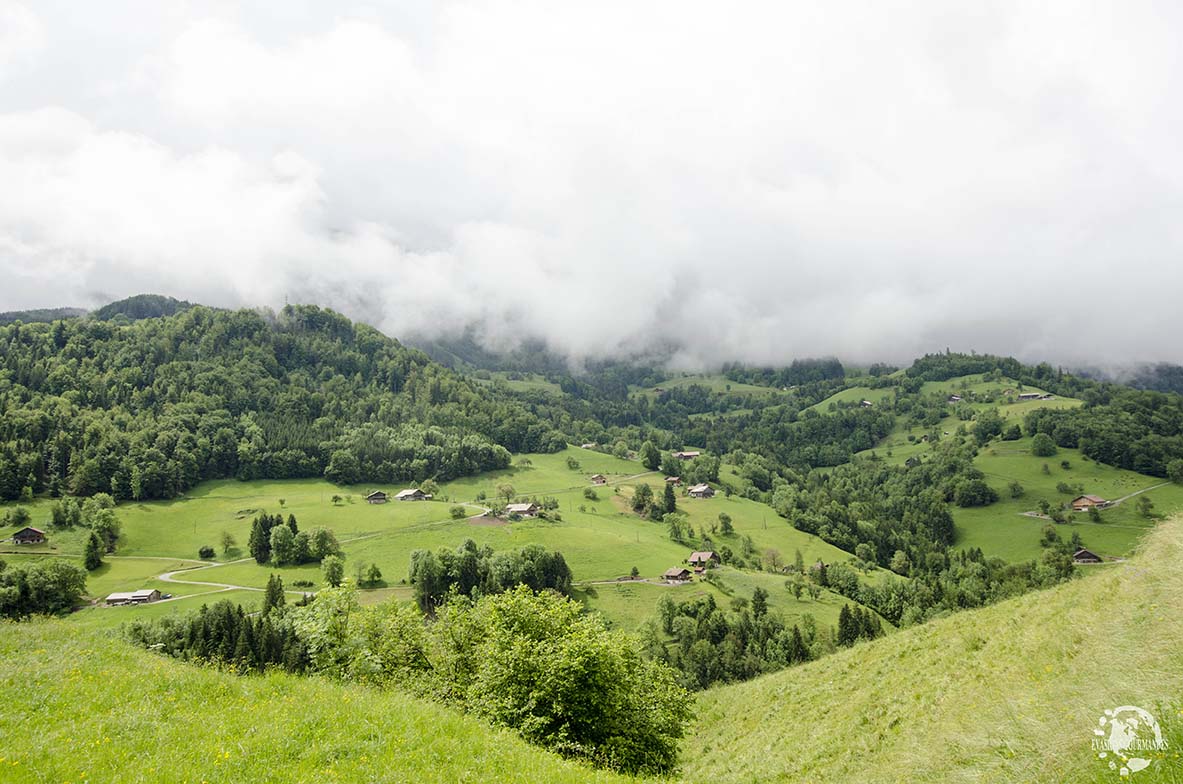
742, 181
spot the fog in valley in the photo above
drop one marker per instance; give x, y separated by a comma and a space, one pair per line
761, 182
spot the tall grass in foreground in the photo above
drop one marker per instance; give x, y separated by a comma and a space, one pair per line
1011, 692
82, 706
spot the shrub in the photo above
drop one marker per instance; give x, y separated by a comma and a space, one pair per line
1043, 445
206, 552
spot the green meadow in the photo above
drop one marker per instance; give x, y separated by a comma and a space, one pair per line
1010, 692
123, 714
601, 538
715, 383
854, 396
1001, 529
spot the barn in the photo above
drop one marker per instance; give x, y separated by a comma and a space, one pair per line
29, 535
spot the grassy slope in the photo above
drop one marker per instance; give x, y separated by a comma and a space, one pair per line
1007, 693
602, 542
630, 604
85, 707
1000, 528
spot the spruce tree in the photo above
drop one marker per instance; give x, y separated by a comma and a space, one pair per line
260, 541
273, 597
759, 603
292, 524
670, 502
846, 631
93, 558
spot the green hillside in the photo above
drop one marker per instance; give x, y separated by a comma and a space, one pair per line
1006, 693
601, 539
87, 707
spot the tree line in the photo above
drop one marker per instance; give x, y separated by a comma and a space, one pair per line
147, 409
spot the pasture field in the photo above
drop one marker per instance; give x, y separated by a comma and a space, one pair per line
1000, 529
1010, 692
853, 395
715, 383
600, 538
526, 382
107, 711
630, 604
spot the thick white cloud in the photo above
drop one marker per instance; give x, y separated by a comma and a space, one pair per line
774, 181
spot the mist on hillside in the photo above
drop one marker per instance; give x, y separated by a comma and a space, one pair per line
613, 179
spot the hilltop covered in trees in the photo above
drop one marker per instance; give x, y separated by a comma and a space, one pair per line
148, 409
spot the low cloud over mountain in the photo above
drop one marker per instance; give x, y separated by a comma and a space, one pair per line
769, 182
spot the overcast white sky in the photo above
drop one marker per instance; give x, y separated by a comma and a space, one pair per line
755, 181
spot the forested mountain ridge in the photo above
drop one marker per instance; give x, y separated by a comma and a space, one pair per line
147, 409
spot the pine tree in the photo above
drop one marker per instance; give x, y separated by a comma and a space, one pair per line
669, 502
846, 630
273, 597
260, 541
759, 603
292, 524
93, 558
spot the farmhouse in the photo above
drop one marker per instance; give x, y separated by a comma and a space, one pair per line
676, 481
677, 574
702, 491
599, 479
413, 494
28, 535
1085, 502
1029, 395
954, 398
376, 497
1085, 556
866, 403
704, 559
133, 597
523, 510
686, 455
589, 445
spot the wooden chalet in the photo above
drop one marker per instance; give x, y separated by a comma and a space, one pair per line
412, 494
1083, 556
376, 497
1083, 503
701, 491
29, 535
704, 558
677, 575
599, 479
676, 481
522, 510
687, 455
